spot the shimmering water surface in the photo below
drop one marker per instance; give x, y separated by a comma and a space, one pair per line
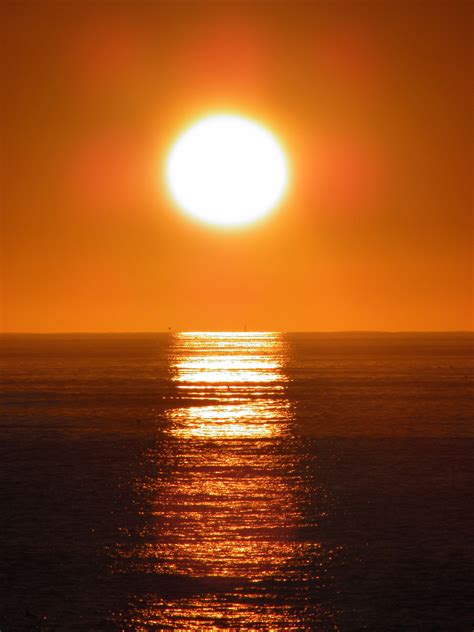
258, 481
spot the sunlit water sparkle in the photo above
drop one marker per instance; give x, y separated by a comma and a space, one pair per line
229, 510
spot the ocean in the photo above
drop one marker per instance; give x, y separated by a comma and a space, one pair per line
237, 481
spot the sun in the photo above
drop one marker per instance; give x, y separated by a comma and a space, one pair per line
227, 170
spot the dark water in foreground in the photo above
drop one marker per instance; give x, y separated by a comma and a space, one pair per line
237, 481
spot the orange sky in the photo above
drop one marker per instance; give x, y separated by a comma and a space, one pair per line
373, 101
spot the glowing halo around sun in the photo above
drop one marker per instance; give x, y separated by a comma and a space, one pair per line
227, 170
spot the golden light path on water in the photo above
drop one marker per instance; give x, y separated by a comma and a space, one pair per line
228, 515
236, 371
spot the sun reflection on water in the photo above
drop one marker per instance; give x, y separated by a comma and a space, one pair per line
229, 512
242, 372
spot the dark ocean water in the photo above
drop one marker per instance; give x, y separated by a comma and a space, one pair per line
237, 481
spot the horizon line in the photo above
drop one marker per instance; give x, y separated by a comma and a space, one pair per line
294, 331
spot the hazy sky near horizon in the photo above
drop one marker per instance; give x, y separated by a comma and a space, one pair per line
372, 100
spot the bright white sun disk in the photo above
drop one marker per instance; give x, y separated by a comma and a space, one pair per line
227, 170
